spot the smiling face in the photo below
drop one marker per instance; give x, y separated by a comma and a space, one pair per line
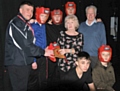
26, 11
90, 14
70, 24
83, 64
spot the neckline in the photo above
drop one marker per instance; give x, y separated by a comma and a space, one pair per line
79, 76
70, 35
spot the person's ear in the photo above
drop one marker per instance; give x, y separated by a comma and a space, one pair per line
76, 62
20, 10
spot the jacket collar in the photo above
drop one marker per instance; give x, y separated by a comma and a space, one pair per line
19, 14
100, 64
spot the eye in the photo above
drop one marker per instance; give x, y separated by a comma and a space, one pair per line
82, 62
88, 62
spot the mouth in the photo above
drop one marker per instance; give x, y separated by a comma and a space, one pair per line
85, 69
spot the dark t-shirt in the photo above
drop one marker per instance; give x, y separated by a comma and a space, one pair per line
53, 32
72, 81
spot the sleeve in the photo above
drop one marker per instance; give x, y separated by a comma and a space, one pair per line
80, 27
79, 43
89, 75
103, 34
98, 83
22, 42
61, 40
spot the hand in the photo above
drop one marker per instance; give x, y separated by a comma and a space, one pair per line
62, 51
50, 22
32, 20
34, 65
99, 20
49, 52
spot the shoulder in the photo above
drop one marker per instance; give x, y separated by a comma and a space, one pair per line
87, 76
97, 69
110, 65
70, 75
80, 34
34, 24
62, 33
17, 22
83, 24
99, 23
89, 71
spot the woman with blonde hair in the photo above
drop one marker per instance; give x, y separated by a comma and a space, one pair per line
71, 42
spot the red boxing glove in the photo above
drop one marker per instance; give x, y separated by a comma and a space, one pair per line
51, 47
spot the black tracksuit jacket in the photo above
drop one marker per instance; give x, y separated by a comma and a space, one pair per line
19, 46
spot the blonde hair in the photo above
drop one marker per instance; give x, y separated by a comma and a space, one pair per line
74, 18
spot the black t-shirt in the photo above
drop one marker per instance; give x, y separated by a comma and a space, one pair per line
72, 81
53, 32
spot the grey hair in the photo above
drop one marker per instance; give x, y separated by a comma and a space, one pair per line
91, 6
74, 18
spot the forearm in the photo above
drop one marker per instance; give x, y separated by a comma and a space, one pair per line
72, 50
25, 44
91, 87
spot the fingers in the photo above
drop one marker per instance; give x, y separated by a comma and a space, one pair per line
49, 52
34, 65
62, 51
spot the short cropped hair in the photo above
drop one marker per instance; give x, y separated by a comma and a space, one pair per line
74, 18
91, 6
27, 3
83, 54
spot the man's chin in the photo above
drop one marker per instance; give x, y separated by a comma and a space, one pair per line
84, 70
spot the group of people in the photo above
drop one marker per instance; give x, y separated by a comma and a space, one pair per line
85, 64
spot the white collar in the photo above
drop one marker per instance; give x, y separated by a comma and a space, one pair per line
38, 23
94, 21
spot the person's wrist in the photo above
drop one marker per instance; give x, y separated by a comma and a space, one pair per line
45, 54
70, 51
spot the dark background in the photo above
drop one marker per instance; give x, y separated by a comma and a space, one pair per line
106, 9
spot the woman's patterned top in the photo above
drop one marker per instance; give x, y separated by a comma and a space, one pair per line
67, 42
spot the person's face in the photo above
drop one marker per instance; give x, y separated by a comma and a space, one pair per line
70, 24
70, 11
26, 11
57, 18
105, 55
43, 18
90, 14
83, 64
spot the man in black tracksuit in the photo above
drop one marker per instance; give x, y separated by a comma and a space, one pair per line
20, 49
